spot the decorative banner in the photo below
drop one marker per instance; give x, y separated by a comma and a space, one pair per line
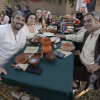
80, 4
91, 6
87, 1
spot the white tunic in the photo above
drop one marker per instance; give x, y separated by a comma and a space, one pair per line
38, 27
9, 44
88, 51
28, 34
87, 54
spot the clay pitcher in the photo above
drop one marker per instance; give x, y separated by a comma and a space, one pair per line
46, 45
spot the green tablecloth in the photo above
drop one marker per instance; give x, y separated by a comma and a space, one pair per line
54, 83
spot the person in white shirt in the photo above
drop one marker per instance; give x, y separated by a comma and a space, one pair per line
86, 65
29, 29
11, 38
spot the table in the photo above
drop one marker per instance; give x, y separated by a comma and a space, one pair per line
54, 83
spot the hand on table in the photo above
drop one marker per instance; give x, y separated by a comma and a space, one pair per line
93, 67
2, 71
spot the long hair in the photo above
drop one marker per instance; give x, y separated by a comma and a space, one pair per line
40, 20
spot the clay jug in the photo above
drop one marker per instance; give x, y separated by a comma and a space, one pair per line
46, 45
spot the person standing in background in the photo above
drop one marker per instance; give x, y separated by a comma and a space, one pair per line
26, 10
18, 8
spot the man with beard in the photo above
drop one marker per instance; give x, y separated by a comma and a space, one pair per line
11, 39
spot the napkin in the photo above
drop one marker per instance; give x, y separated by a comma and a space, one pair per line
31, 49
64, 52
28, 68
21, 66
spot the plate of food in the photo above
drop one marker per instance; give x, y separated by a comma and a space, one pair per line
48, 33
21, 58
25, 57
50, 27
67, 47
69, 42
55, 39
37, 39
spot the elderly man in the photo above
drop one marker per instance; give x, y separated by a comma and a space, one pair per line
90, 48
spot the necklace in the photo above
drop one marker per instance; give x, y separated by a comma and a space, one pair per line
15, 38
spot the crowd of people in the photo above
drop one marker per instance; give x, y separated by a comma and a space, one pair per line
23, 25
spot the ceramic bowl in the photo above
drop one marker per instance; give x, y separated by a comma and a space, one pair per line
67, 47
50, 56
39, 55
69, 30
46, 41
53, 30
34, 61
37, 39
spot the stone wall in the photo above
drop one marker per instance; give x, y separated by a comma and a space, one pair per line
98, 5
2, 4
52, 6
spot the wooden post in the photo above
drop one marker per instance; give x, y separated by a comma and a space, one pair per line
83, 92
